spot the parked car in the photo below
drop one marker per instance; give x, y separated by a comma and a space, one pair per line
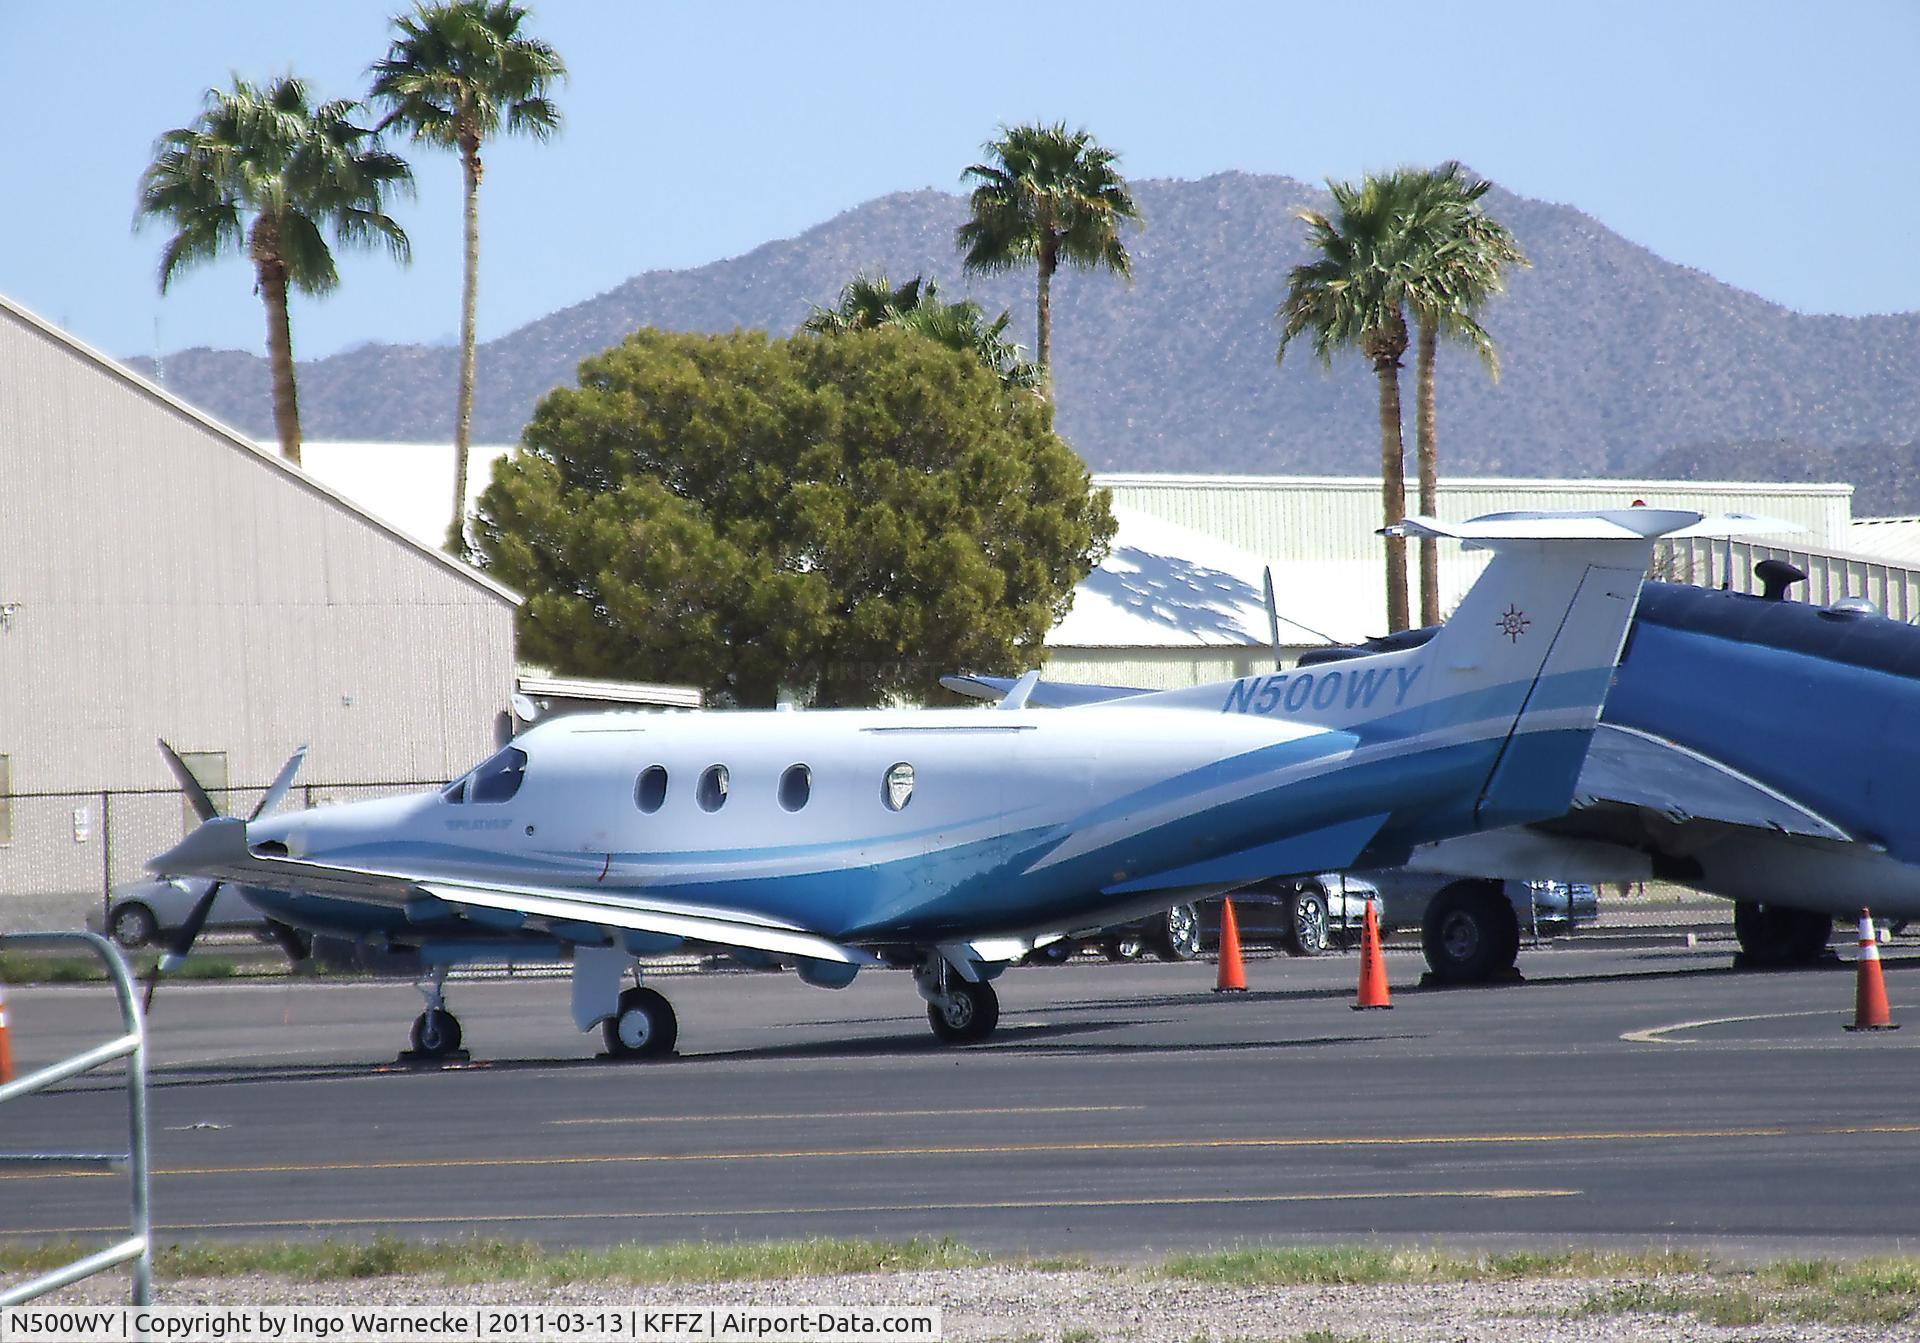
145, 912
1172, 936
1307, 916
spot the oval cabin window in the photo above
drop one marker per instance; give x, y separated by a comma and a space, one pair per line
796, 786
712, 792
899, 787
651, 789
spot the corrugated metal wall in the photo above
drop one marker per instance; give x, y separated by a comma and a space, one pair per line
1318, 528
164, 579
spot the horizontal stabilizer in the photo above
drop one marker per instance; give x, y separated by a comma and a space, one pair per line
1606, 524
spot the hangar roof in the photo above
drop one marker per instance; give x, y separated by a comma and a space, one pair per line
263, 456
1167, 586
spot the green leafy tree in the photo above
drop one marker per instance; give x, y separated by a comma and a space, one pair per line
871, 301
1045, 196
456, 75
841, 519
265, 170
1457, 256
1352, 295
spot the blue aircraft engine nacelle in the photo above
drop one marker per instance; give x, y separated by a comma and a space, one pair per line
825, 974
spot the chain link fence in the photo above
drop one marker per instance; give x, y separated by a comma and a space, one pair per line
61, 854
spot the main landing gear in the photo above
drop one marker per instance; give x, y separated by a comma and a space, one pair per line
636, 1022
962, 1011
643, 1026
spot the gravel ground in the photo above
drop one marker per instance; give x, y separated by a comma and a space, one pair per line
1118, 1306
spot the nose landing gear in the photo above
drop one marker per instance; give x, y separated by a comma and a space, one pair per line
436, 1032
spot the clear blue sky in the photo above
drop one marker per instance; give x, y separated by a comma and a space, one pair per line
1770, 144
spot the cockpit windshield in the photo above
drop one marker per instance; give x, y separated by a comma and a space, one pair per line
496, 779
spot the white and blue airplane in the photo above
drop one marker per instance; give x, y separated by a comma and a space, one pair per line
952, 841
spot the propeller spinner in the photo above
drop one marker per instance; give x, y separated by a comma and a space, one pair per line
197, 797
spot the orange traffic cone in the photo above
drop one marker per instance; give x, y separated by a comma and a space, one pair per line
1233, 975
1373, 967
1870, 1011
6, 1042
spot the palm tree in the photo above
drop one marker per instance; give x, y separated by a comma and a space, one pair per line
1456, 255
1048, 195
871, 301
1354, 295
265, 170
458, 73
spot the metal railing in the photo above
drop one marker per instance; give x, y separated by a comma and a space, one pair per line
137, 1249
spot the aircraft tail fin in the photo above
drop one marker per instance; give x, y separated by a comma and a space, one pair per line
1510, 689
1528, 656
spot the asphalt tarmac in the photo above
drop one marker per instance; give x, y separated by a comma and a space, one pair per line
1615, 1098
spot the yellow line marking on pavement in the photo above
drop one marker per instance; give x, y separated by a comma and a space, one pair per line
1006, 1205
1174, 1144
856, 1114
1656, 1035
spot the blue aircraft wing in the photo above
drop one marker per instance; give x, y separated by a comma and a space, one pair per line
1630, 767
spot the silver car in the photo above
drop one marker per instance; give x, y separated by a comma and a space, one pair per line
146, 912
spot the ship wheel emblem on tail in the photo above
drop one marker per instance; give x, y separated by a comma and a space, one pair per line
1513, 623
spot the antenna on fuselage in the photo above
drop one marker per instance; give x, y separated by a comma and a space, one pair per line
1274, 618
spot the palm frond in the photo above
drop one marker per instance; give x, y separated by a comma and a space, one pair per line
1043, 187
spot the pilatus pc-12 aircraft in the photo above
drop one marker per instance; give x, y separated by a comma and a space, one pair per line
952, 841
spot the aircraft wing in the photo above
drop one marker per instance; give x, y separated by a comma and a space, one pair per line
219, 848
1629, 767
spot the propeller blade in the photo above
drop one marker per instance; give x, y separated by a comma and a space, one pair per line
278, 788
196, 794
183, 940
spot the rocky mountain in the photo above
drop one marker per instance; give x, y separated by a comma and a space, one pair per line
1885, 481
1611, 356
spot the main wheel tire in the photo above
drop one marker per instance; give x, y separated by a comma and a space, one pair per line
643, 1026
968, 1016
133, 925
1126, 947
1774, 935
1470, 934
1308, 927
1178, 938
436, 1033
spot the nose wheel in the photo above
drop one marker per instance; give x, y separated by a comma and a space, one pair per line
435, 1037
436, 1033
